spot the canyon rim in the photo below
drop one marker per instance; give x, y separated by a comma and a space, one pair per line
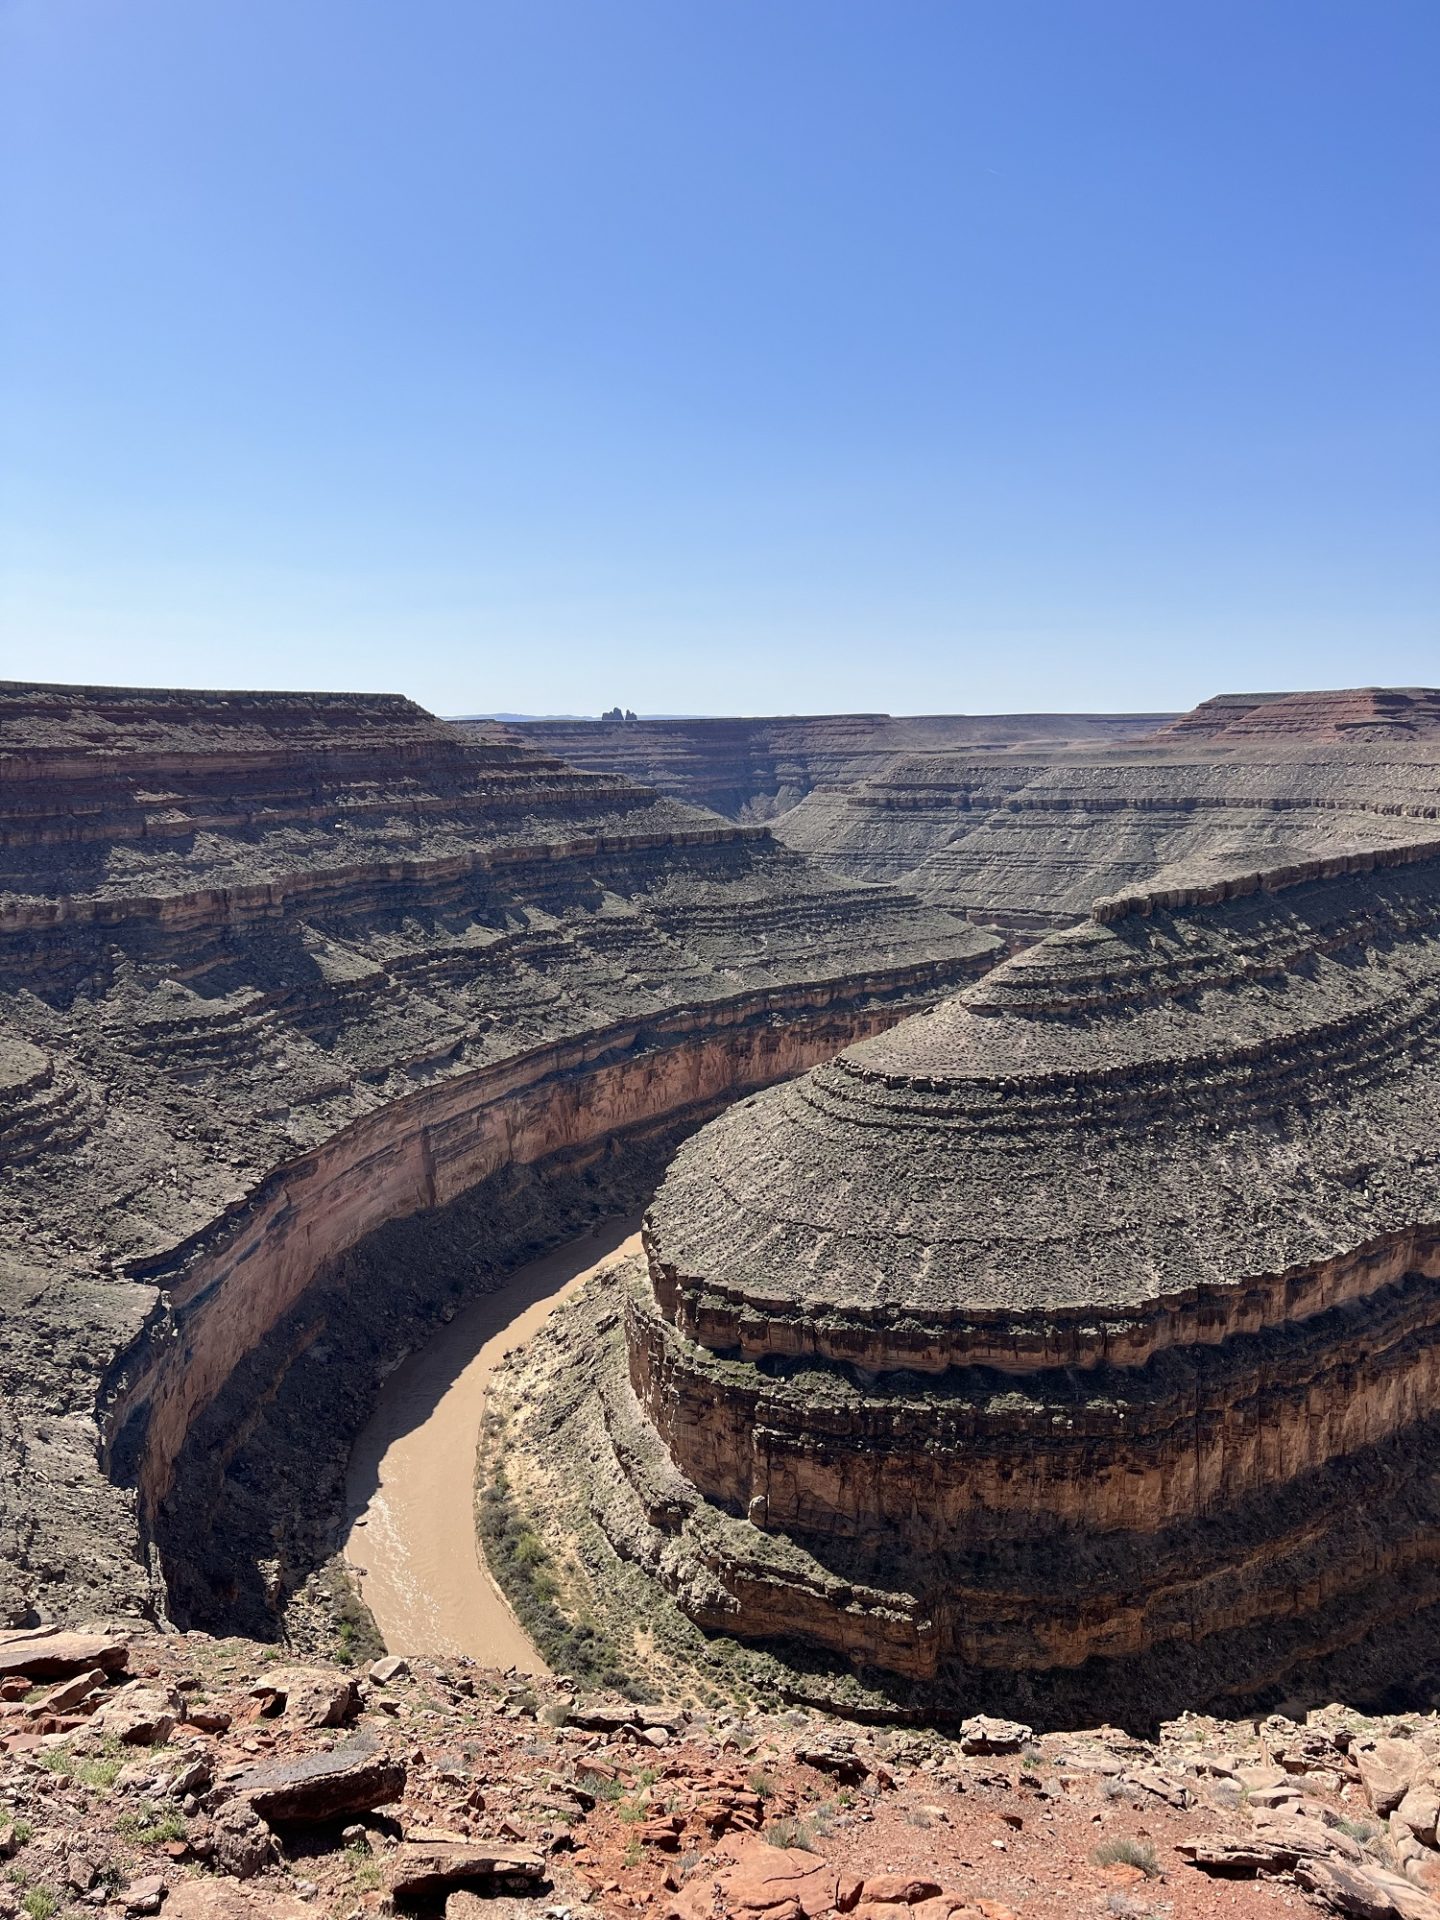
1035, 1314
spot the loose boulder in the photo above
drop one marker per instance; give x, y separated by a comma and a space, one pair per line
352, 1778
141, 1715
45, 1653
433, 1865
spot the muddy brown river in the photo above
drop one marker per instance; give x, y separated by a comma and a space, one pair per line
410, 1487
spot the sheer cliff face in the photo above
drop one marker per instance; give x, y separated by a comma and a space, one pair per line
1093, 1316
275, 969
1026, 841
758, 769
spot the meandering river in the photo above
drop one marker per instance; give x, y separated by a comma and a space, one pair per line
410, 1487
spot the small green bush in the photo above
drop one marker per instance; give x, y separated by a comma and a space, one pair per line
1361, 1830
151, 1826
602, 1789
99, 1773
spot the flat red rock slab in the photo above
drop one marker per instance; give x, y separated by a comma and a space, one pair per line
45, 1653
430, 1866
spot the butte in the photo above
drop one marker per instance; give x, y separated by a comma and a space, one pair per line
1074, 1346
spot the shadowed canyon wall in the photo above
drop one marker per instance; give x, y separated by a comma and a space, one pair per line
277, 970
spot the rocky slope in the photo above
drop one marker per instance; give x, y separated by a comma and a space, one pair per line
1026, 842
1074, 1343
758, 769
205, 1779
277, 970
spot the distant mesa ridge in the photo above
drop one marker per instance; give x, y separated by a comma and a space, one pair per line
1374, 711
1025, 839
758, 768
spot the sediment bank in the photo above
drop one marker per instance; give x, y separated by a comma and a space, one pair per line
411, 1543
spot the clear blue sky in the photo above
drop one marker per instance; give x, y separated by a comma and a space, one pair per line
722, 355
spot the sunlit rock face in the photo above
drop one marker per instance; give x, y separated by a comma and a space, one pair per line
1025, 838
759, 768
1091, 1318
277, 969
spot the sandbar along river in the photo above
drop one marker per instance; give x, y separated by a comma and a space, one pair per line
411, 1481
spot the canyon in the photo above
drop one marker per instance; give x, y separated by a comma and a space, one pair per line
1021, 821
278, 972
1071, 1286
1068, 1348
759, 769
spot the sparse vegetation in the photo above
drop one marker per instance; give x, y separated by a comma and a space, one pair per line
602, 1789
151, 1826
102, 1773
1125, 1851
523, 1567
91, 1770
364, 1867
1362, 1830
798, 1832
40, 1903
357, 1639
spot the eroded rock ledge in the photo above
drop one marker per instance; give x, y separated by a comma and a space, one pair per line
1087, 1323
277, 970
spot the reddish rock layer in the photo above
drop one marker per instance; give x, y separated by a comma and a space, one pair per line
1334, 714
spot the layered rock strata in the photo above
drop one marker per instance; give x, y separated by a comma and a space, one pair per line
1383, 713
757, 769
276, 970
1084, 1329
1025, 842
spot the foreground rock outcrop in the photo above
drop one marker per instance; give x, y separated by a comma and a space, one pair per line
458, 1789
280, 971
1076, 1343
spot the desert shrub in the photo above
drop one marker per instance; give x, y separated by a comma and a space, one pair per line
600, 1788
1361, 1830
525, 1573
793, 1833
1123, 1851
151, 1826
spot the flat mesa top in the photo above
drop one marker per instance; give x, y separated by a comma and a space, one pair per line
1119, 1115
